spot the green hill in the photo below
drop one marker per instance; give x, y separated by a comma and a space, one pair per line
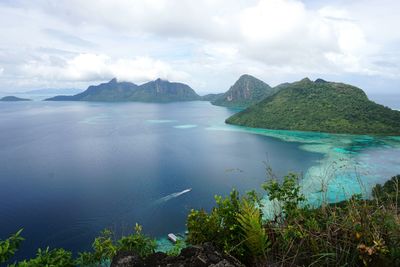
114, 91
246, 91
320, 106
163, 91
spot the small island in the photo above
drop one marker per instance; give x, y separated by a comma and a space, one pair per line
13, 99
320, 106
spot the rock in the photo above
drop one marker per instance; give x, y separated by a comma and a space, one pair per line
193, 256
127, 259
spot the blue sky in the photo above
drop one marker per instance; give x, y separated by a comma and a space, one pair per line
207, 44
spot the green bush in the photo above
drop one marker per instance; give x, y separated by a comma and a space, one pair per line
355, 232
221, 226
49, 258
138, 243
253, 232
9, 246
176, 249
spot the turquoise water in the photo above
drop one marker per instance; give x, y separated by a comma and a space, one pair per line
351, 164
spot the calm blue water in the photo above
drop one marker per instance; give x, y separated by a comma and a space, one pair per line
69, 170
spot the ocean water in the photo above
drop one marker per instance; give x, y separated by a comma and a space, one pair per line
70, 169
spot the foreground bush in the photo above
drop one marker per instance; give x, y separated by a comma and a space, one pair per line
356, 232
10, 246
104, 249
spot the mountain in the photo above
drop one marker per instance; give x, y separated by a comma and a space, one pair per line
114, 91
246, 91
13, 99
320, 106
211, 97
164, 91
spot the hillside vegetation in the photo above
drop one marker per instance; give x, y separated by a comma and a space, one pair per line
320, 106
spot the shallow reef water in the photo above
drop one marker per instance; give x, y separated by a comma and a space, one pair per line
351, 164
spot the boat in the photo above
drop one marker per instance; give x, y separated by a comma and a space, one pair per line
172, 237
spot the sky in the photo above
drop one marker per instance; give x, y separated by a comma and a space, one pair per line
207, 44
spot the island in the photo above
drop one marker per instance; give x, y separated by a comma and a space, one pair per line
247, 90
320, 106
115, 91
13, 99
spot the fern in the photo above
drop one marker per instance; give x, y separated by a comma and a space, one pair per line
255, 237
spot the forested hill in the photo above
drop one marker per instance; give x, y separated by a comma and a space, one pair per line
320, 106
153, 91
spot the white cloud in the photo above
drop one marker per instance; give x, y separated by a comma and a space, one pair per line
94, 67
205, 43
271, 21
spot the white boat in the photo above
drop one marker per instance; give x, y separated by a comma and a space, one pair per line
173, 238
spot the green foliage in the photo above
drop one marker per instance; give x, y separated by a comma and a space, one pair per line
389, 192
288, 193
49, 258
176, 249
9, 246
86, 259
138, 243
320, 106
253, 231
104, 247
355, 232
220, 226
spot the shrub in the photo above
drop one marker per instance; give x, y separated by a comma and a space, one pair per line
356, 232
50, 258
138, 243
221, 226
9, 246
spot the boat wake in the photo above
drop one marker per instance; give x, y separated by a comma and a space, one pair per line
173, 195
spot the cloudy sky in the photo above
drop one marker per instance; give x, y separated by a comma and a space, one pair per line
207, 44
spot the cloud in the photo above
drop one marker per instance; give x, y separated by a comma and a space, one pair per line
95, 67
205, 43
68, 38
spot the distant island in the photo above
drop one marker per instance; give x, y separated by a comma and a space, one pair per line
13, 99
115, 91
320, 106
246, 91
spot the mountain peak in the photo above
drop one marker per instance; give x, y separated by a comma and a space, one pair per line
306, 80
319, 80
246, 76
159, 80
246, 91
113, 80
